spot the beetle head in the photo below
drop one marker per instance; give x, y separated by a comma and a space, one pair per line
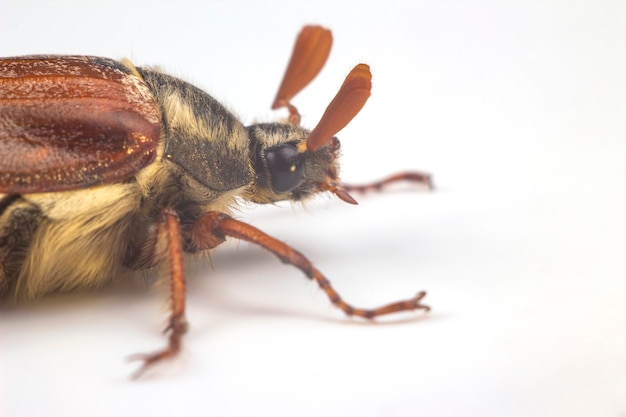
285, 169
292, 163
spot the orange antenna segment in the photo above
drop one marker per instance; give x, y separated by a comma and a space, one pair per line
347, 103
307, 59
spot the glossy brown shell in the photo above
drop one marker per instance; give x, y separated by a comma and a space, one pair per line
69, 122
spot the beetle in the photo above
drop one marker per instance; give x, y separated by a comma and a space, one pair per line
108, 169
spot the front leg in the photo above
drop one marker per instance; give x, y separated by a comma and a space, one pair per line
213, 227
169, 249
420, 178
342, 190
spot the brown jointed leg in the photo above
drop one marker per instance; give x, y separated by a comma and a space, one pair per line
412, 176
214, 226
170, 243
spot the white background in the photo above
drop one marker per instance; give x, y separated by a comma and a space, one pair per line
518, 108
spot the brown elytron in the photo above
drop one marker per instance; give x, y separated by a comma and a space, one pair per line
67, 126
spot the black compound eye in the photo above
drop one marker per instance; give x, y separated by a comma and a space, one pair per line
286, 167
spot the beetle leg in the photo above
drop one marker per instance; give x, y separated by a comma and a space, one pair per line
169, 240
420, 178
214, 226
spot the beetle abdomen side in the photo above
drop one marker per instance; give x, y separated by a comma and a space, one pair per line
66, 240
